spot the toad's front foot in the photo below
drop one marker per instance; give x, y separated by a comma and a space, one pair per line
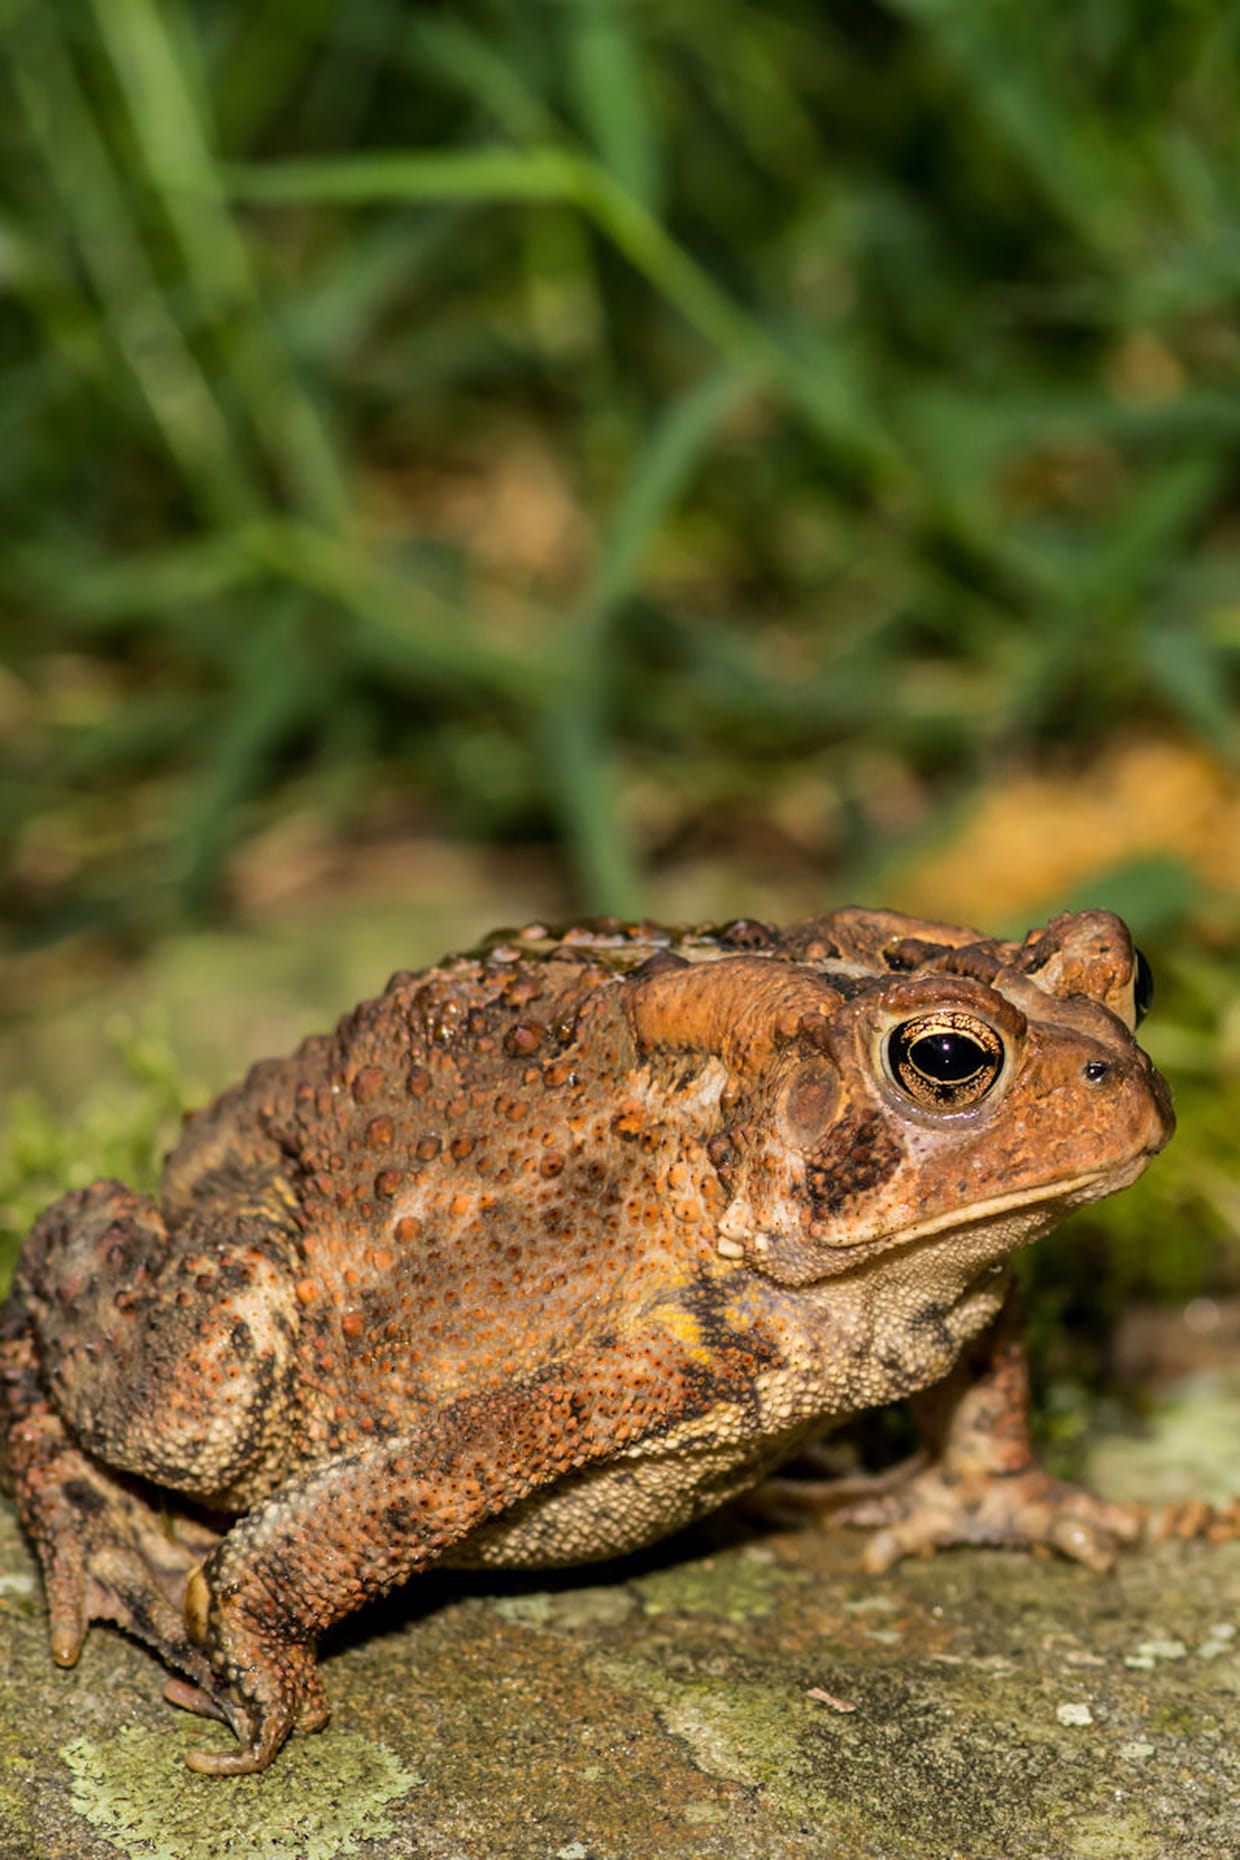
924, 1505
935, 1507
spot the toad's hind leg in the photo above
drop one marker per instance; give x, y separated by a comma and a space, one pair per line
130, 1355
167, 1354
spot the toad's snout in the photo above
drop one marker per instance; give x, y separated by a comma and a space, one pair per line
1135, 1094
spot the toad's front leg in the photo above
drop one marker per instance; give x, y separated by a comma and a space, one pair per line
982, 1483
356, 1526
978, 1480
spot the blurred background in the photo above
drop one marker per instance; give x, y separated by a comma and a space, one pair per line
540, 457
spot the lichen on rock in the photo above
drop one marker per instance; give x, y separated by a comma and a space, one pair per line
322, 1798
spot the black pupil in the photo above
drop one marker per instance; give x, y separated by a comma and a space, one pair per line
949, 1058
1142, 988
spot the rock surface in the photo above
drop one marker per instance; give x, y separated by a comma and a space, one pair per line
738, 1696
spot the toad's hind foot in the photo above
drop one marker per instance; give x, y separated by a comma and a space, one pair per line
261, 1723
108, 1554
822, 1486
265, 1686
185, 1697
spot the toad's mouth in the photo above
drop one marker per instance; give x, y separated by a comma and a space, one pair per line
1061, 1197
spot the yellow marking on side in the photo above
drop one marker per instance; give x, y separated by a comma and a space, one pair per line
684, 1326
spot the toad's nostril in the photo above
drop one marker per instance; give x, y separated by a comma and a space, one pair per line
1096, 1070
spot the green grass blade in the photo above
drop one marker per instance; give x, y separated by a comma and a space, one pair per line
1196, 676
270, 47
277, 689
658, 478
1004, 57
608, 85
482, 72
164, 109
425, 634
479, 175
100, 217
577, 730
820, 389
106, 591
1152, 526
582, 783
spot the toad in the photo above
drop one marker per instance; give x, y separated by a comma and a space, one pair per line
551, 1249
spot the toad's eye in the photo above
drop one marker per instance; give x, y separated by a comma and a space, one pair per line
946, 1061
1142, 988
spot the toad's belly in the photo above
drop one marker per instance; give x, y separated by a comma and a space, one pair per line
606, 1511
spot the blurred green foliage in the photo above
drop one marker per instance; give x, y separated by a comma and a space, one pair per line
123, 1132
887, 356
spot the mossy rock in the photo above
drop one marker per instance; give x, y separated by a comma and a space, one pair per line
730, 1698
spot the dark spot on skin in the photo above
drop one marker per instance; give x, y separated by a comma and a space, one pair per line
280, 1619
814, 1031
1038, 954
720, 1150
904, 1377
929, 1322
241, 1339
84, 1498
659, 964
932, 1312
850, 986
911, 952
138, 1608
856, 1155
747, 933
525, 1038
734, 1358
